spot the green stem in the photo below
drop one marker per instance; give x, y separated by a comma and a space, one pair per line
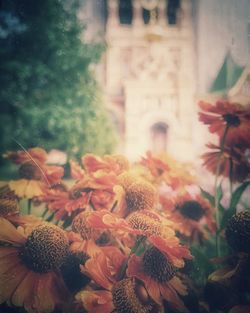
50, 218
29, 206
45, 212
231, 177
136, 246
216, 198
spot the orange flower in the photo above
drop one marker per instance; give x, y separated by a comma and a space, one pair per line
233, 161
96, 301
109, 163
76, 171
64, 201
28, 267
34, 172
106, 220
165, 169
156, 229
10, 209
190, 216
120, 295
134, 193
127, 295
99, 189
83, 236
21, 157
104, 267
98, 193
223, 114
159, 232
156, 166
157, 273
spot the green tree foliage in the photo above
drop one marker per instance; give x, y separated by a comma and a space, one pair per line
48, 94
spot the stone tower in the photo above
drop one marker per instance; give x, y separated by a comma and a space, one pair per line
150, 77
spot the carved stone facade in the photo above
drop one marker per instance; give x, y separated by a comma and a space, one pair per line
150, 81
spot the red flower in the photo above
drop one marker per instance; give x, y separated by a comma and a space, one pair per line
232, 159
223, 114
190, 215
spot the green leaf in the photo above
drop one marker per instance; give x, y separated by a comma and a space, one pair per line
201, 265
208, 196
219, 192
211, 198
238, 193
233, 204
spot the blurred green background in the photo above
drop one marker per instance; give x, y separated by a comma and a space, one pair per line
49, 96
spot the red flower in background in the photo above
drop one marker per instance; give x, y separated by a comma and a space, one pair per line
232, 160
190, 214
223, 114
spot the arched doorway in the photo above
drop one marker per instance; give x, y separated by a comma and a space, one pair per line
158, 133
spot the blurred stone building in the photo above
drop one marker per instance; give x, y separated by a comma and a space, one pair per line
162, 56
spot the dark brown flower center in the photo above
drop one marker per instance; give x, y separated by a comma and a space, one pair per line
130, 297
80, 225
238, 232
191, 209
157, 266
30, 171
231, 119
45, 248
8, 202
140, 195
71, 271
140, 221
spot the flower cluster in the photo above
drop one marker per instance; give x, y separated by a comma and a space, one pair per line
105, 240
111, 236
227, 288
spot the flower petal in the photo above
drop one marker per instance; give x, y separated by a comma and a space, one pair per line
9, 234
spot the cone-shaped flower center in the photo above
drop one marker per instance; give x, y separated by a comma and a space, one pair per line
238, 232
157, 266
121, 161
126, 179
191, 209
45, 249
128, 297
140, 195
140, 221
81, 226
8, 202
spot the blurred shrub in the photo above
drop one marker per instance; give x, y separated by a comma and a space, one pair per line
49, 96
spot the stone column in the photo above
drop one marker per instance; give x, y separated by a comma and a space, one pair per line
137, 13
113, 14
186, 14
162, 18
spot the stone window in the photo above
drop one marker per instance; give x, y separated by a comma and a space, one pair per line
159, 137
125, 11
